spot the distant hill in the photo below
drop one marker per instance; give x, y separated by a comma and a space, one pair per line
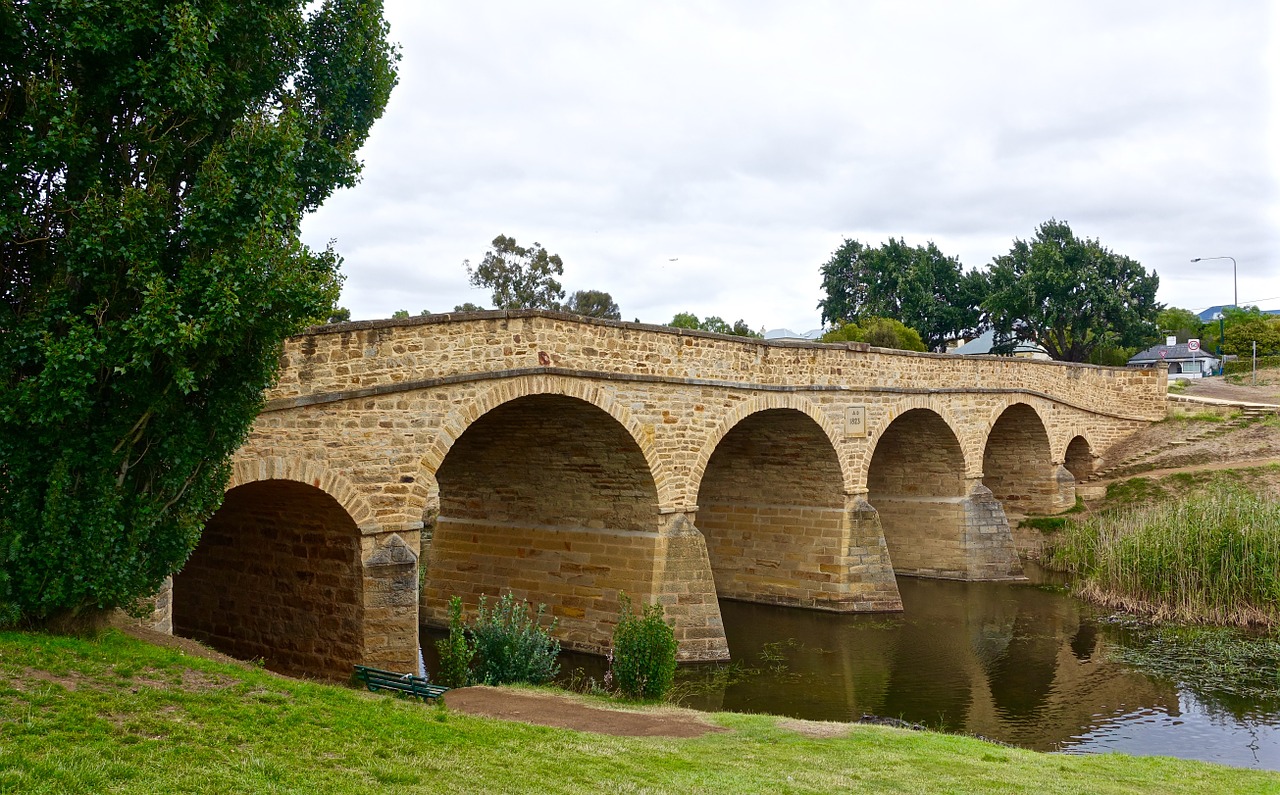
1212, 313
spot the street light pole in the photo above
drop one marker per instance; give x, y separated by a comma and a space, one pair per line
1235, 292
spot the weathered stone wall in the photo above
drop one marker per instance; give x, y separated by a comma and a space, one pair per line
276, 576
452, 425
1017, 465
772, 510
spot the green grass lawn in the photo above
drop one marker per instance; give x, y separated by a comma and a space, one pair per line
118, 715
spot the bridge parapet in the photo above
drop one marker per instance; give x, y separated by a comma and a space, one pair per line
378, 357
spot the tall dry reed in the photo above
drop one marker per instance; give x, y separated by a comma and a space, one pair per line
1212, 555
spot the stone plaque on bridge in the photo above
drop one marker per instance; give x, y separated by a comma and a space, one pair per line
855, 421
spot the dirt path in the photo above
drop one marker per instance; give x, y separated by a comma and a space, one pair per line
1247, 463
548, 709
543, 709
1267, 390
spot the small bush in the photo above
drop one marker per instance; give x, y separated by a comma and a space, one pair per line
644, 653
510, 646
456, 652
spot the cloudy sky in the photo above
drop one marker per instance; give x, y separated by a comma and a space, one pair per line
709, 156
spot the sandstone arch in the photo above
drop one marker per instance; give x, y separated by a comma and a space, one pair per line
277, 576
937, 522
772, 508
755, 405
548, 497
1018, 465
312, 473
462, 416
1079, 458
882, 419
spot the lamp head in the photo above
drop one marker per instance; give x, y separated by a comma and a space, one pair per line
1197, 259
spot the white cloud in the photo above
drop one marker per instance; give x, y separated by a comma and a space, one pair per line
747, 139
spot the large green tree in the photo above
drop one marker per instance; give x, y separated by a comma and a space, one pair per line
713, 323
882, 332
917, 285
1070, 295
593, 303
1248, 325
519, 277
1181, 323
156, 159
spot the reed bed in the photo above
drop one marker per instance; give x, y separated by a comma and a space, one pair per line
1212, 556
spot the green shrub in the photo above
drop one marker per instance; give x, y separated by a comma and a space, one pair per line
644, 653
510, 646
456, 652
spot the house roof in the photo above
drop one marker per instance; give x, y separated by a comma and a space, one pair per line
984, 342
1173, 353
788, 334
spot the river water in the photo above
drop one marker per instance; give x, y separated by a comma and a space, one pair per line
1015, 662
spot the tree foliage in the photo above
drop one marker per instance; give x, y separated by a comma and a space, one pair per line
1247, 325
1181, 323
918, 286
519, 277
882, 332
593, 303
156, 159
713, 323
1070, 295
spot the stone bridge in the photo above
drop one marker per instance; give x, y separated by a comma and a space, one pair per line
570, 460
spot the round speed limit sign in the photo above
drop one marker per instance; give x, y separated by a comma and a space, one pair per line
1193, 345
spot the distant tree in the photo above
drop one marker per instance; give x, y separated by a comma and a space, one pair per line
593, 303
713, 324
156, 161
1181, 323
1070, 295
1247, 325
519, 277
916, 285
339, 314
685, 320
882, 332
468, 307
424, 313
400, 314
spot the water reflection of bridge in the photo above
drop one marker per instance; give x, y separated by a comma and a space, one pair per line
1009, 662
569, 461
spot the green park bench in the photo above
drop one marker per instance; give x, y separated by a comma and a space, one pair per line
413, 686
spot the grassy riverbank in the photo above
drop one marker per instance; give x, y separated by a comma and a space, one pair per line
119, 715
1210, 555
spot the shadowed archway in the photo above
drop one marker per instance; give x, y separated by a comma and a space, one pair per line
550, 498
276, 576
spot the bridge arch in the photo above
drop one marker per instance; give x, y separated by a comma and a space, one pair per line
313, 473
462, 416
1018, 464
549, 497
880, 421
1079, 457
772, 508
916, 481
277, 575
755, 405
